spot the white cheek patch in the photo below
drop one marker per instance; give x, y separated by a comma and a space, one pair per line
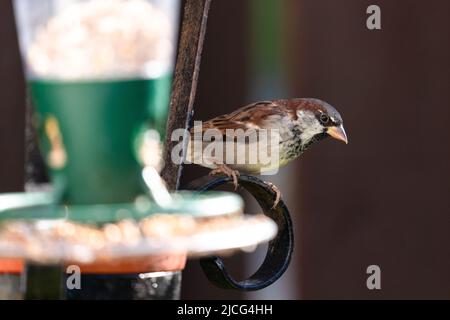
309, 126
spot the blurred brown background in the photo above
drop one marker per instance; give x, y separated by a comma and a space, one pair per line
384, 198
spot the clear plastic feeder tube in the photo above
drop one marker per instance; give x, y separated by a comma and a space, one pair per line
92, 39
99, 73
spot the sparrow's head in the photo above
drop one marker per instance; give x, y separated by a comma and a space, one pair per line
317, 120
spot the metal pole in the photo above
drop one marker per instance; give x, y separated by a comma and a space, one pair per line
184, 87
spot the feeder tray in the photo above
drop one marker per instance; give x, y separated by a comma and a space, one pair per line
33, 228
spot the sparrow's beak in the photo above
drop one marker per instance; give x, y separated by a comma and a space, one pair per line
338, 133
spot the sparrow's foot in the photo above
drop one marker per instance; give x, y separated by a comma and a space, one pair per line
277, 192
224, 169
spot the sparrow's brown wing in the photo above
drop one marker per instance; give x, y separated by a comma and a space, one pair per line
259, 115
254, 116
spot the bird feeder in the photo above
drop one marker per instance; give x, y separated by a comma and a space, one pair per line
106, 96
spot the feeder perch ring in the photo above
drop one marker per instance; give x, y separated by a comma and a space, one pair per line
279, 251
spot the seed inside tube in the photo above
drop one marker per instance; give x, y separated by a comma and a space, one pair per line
103, 39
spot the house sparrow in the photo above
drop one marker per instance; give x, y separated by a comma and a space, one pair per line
296, 123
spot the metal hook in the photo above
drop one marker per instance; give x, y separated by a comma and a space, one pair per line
279, 249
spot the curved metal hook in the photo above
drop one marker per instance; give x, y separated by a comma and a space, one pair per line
279, 250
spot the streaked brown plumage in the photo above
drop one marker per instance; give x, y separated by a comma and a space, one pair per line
299, 123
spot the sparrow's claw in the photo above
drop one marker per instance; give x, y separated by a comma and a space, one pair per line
277, 192
223, 169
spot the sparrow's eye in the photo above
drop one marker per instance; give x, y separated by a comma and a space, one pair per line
324, 119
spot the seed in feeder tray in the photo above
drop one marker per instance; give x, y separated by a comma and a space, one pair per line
112, 233
96, 240
103, 38
165, 226
130, 231
66, 230
70, 241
